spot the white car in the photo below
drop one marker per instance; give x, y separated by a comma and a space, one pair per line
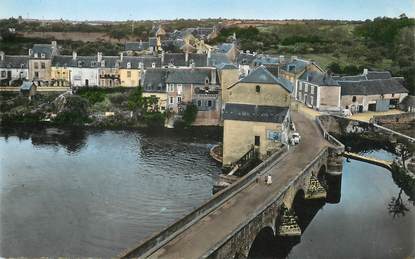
295, 138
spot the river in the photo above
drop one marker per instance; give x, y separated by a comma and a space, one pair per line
88, 193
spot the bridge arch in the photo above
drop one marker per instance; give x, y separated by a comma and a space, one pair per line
262, 245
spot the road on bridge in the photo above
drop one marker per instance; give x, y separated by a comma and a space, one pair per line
209, 231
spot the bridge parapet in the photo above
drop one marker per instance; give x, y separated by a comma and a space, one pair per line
155, 241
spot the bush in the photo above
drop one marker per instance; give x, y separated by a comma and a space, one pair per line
93, 95
154, 119
189, 115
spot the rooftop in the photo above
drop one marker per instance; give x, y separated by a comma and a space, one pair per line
258, 113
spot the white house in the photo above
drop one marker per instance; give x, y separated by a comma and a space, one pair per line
13, 68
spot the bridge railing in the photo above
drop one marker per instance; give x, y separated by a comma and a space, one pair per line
248, 156
151, 244
332, 140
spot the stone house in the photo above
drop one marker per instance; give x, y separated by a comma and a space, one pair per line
318, 90
153, 84
198, 86
229, 49
13, 69
256, 114
228, 75
40, 61
108, 70
247, 125
372, 95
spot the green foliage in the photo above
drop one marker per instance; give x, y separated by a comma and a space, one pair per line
135, 100
189, 114
74, 112
93, 95
154, 119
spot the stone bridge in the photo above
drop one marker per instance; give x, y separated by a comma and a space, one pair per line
241, 220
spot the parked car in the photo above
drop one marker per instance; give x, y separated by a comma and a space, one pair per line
295, 138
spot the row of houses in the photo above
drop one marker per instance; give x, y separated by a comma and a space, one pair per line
370, 91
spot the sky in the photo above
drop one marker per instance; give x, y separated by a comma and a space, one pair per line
118, 10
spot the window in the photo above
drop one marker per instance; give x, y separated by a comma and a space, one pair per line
171, 100
354, 99
42, 55
153, 65
257, 141
3, 73
36, 74
258, 89
209, 103
36, 65
128, 73
42, 65
393, 95
179, 88
128, 64
311, 88
199, 103
36, 55
206, 81
179, 99
170, 88
305, 87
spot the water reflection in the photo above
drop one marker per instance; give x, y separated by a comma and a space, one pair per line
397, 206
95, 193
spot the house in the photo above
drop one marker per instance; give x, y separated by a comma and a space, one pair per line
371, 95
13, 69
198, 86
60, 72
40, 61
229, 49
108, 70
153, 83
134, 48
293, 69
83, 71
228, 75
130, 71
318, 90
256, 115
408, 104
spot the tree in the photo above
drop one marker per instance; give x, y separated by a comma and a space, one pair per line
334, 68
397, 207
405, 151
189, 114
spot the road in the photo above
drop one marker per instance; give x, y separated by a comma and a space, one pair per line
214, 227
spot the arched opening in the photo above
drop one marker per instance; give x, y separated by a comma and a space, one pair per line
262, 247
305, 209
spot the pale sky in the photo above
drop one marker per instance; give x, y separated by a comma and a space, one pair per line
171, 9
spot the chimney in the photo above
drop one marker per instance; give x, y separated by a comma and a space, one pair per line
1, 55
54, 44
365, 71
213, 76
186, 56
99, 56
121, 56
30, 52
74, 55
162, 57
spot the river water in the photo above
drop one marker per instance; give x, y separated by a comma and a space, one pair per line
85, 193
76, 193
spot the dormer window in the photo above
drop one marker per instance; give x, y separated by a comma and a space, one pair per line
103, 63
93, 64
36, 55
153, 65
140, 65
42, 55
258, 89
128, 65
207, 81
79, 63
